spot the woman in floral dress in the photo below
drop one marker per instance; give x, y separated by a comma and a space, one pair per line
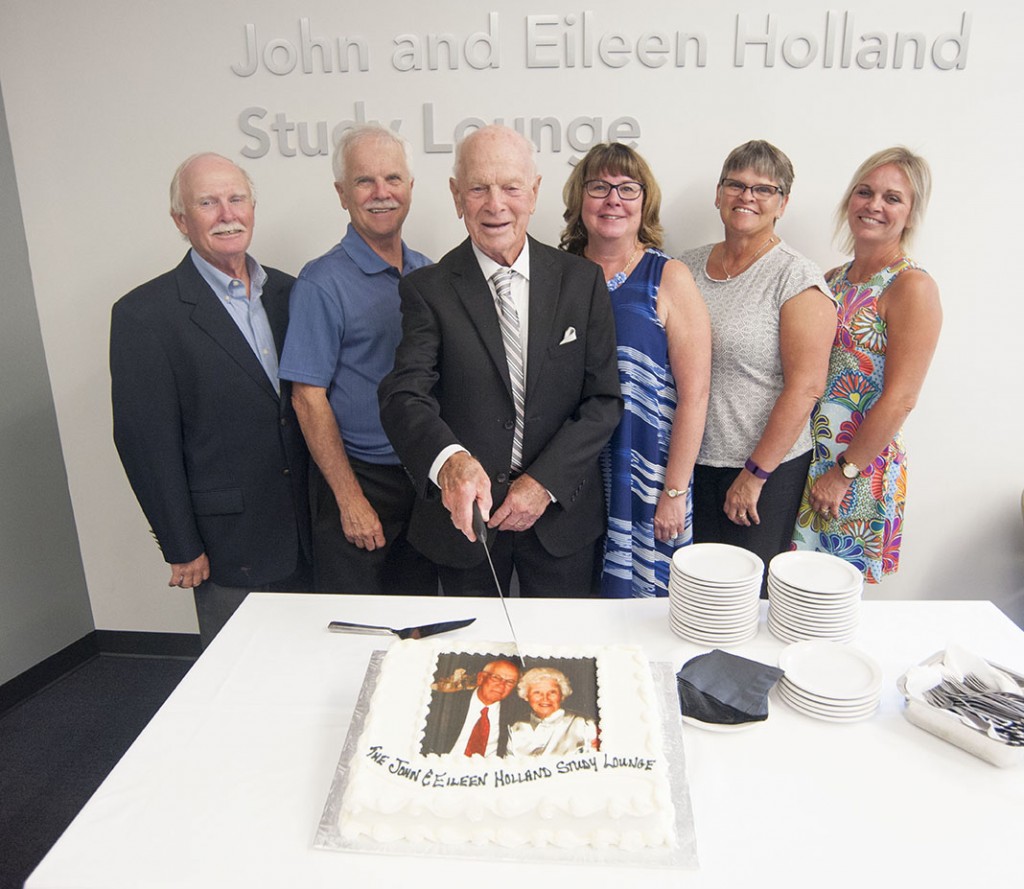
889, 321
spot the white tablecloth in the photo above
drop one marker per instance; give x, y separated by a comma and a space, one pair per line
226, 785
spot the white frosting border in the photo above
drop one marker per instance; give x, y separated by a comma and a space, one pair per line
683, 855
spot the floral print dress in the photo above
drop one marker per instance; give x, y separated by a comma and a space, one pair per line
869, 528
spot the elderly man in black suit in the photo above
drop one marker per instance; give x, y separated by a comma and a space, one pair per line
204, 428
474, 722
504, 388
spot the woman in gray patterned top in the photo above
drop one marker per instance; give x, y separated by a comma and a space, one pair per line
772, 322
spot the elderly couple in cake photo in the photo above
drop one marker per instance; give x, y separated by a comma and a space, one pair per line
483, 718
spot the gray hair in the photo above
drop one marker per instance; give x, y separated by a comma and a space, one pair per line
538, 674
525, 145
918, 174
357, 134
763, 158
177, 203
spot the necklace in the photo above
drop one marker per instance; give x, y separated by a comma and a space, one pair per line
749, 262
629, 262
621, 276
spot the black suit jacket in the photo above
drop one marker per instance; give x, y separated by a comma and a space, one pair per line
450, 385
448, 715
215, 457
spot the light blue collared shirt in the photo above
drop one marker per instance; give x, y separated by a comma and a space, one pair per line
247, 312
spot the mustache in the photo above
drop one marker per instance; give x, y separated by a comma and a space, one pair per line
382, 205
228, 229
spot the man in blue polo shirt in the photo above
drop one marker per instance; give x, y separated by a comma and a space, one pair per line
344, 326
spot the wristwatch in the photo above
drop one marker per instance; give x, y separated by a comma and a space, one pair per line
848, 469
673, 492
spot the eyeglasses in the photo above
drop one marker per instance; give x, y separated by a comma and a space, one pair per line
627, 191
508, 683
761, 192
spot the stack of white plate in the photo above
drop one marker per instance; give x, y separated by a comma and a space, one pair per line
714, 593
830, 681
813, 596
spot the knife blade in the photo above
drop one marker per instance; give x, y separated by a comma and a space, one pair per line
480, 529
421, 632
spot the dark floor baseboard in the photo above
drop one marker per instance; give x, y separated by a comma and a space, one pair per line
116, 642
148, 644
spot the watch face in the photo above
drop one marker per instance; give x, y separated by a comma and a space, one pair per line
849, 470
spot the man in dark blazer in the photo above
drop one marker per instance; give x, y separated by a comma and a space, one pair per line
468, 435
475, 721
204, 429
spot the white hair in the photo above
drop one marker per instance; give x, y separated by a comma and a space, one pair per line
177, 203
357, 134
539, 674
525, 145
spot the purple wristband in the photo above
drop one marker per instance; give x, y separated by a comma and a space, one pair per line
756, 470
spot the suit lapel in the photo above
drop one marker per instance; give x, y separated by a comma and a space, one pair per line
545, 287
276, 306
210, 316
475, 293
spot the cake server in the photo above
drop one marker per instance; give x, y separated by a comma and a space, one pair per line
480, 529
341, 626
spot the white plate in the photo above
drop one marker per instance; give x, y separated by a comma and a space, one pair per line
789, 633
741, 596
852, 716
717, 639
717, 563
829, 704
684, 583
715, 612
779, 590
815, 572
812, 621
718, 599
831, 669
805, 606
720, 727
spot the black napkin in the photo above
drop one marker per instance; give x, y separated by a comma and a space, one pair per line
725, 689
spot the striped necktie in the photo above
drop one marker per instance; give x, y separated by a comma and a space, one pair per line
509, 317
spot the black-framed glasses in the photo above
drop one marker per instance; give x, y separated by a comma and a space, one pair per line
761, 192
627, 191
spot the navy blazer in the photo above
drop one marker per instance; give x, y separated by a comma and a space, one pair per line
450, 385
215, 457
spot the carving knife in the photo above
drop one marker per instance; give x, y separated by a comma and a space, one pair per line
480, 529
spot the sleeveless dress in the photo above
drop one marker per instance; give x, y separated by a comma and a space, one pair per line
869, 528
633, 462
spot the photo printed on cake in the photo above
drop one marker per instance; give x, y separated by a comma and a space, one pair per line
485, 705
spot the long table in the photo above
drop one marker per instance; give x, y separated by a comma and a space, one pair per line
225, 787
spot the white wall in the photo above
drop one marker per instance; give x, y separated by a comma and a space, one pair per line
104, 98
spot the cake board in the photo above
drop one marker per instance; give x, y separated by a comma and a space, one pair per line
684, 855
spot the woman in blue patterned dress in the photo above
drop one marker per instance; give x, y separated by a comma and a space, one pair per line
664, 352
889, 321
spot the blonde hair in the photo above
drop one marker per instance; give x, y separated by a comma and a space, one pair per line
918, 174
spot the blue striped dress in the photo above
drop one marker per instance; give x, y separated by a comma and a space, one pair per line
633, 462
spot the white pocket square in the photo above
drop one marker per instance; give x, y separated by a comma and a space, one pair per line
569, 336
